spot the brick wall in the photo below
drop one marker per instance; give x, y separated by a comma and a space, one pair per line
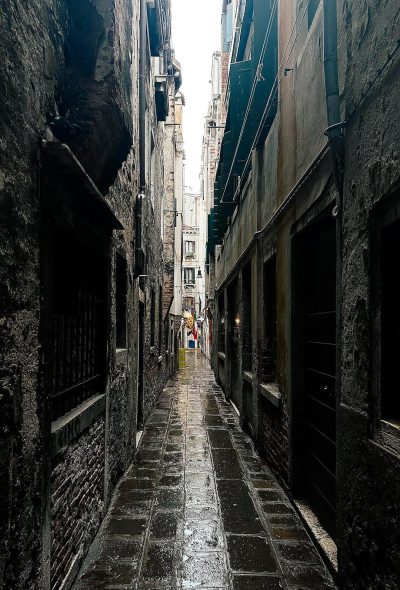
77, 483
274, 440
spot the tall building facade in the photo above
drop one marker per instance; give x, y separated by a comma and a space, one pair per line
87, 332
193, 261
213, 133
301, 238
173, 223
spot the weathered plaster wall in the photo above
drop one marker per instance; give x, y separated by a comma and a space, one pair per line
293, 143
309, 96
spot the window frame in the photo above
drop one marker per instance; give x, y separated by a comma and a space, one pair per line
188, 250
192, 272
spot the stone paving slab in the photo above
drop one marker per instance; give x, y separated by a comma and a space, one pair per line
199, 508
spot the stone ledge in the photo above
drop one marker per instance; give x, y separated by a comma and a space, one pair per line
271, 392
248, 376
69, 427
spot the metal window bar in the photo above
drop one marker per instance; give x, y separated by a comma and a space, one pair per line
78, 330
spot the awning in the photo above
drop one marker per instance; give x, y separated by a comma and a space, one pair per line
64, 170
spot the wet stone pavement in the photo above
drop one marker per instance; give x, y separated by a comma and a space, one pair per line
199, 508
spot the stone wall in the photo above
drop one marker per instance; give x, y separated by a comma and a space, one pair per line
31, 45
69, 74
369, 482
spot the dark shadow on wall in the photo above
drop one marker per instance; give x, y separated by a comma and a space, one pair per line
89, 119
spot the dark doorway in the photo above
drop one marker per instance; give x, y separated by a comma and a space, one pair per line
390, 322
314, 370
247, 352
234, 342
140, 396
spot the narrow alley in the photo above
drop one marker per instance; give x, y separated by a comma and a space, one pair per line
199, 294
199, 508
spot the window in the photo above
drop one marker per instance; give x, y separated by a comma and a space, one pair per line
79, 326
312, 10
189, 276
120, 300
190, 248
269, 348
390, 322
153, 319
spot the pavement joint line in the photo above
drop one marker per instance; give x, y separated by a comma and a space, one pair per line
152, 506
224, 534
259, 511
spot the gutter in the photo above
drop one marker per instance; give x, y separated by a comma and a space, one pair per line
142, 95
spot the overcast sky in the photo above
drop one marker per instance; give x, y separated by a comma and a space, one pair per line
195, 36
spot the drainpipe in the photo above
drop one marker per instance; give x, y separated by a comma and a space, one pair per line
335, 126
337, 146
139, 262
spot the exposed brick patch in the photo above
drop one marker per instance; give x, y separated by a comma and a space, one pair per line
274, 441
76, 500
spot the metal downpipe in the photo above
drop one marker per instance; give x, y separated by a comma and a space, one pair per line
142, 137
335, 128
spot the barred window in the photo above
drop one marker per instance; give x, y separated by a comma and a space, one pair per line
79, 324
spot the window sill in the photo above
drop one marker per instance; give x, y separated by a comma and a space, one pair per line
271, 392
222, 356
69, 427
120, 356
248, 376
390, 434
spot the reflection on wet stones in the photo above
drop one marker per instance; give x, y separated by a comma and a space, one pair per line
199, 508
